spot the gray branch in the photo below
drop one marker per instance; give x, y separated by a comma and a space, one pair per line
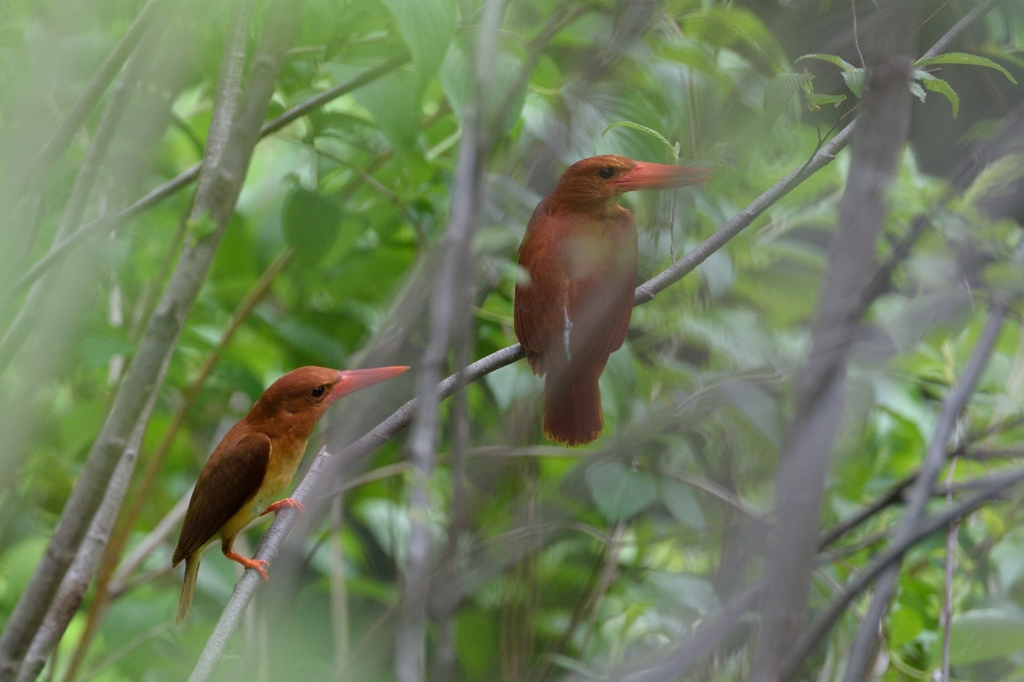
216, 198
882, 130
823, 623
73, 120
864, 646
449, 311
272, 541
81, 190
79, 575
112, 220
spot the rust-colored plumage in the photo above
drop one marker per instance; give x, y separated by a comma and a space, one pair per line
580, 252
255, 462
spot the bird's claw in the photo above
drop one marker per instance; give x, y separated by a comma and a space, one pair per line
258, 565
286, 503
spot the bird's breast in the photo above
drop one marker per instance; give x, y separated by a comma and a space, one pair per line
285, 456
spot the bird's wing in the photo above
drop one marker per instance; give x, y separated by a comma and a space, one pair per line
230, 478
539, 303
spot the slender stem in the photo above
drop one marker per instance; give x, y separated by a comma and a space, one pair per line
449, 307
151, 474
81, 190
216, 198
112, 220
823, 623
79, 574
88, 98
862, 653
946, 619
272, 541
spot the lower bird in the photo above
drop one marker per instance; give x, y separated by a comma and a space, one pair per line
580, 253
255, 462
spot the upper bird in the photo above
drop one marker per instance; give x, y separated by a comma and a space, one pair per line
580, 252
256, 460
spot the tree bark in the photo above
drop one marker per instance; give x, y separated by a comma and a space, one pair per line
877, 146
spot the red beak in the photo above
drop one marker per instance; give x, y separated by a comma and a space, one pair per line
350, 381
659, 176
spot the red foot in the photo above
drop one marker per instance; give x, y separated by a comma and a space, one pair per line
255, 564
288, 502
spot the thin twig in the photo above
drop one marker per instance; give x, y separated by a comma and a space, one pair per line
35, 601
88, 98
151, 474
946, 619
229, 148
826, 619
112, 220
81, 190
862, 652
270, 546
449, 307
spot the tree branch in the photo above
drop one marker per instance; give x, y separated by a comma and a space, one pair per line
449, 312
936, 455
826, 619
88, 98
883, 124
111, 221
81, 190
215, 198
272, 541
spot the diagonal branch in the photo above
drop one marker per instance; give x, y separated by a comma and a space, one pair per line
449, 314
73, 120
81, 190
920, 493
272, 541
883, 125
111, 221
214, 202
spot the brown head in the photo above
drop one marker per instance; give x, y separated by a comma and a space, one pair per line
593, 185
298, 399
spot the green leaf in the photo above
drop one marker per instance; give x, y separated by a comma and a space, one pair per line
985, 634
968, 60
642, 128
680, 502
820, 100
427, 27
942, 87
619, 492
856, 80
781, 90
476, 641
831, 59
904, 625
917, 91
997, 178
311, 223
395, 106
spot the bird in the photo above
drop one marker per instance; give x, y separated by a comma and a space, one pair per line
255, 462
572, 309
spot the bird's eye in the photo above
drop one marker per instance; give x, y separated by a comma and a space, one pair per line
606, 172
319, 391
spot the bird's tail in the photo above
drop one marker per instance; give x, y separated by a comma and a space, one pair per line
572, 403
188, 589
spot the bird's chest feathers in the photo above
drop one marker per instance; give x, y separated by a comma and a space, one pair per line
600, 247
285, 456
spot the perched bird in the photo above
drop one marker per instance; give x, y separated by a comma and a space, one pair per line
580, 252
255, 462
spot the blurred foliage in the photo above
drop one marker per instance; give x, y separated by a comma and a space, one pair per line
572, 561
